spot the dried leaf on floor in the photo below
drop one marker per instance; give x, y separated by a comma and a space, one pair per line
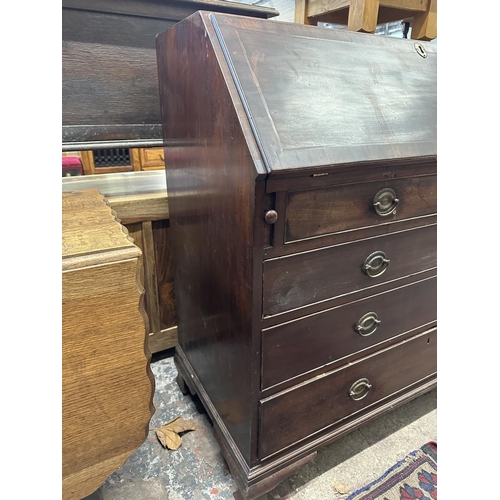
168, 434
341, 488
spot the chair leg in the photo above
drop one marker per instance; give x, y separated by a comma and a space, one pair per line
424, 26
363, 15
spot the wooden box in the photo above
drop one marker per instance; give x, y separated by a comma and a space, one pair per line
107, 383
302, 199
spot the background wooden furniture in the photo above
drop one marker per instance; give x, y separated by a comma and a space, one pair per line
146, 217
141, 159
147, 220
110, 100
110, 81
303, 230
107, 384
364, 15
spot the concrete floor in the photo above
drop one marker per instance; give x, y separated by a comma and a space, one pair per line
197, 470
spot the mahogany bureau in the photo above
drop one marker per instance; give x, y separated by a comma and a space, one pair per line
302, 196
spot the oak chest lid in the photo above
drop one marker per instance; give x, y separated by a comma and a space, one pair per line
91, 233
316, 96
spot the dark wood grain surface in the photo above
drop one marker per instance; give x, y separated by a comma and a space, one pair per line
317, 212
261, 368
296, 413
311, 342
299, 280
109, 74
211, 223
164, 273
343, 103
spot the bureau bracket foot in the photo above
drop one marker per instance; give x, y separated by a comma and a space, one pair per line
182, 385
183, 380
258, 490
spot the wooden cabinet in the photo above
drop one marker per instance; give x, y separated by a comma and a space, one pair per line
120, 160
303, 228
107, 383
151, 158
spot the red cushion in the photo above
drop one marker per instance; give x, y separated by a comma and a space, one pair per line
71, 161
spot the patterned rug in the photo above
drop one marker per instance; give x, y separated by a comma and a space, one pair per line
413, 478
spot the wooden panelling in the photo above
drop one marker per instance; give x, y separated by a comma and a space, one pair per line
141, 159
146, 217
110, 80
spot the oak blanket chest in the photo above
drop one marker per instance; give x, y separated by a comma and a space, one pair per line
107, 383
302, 193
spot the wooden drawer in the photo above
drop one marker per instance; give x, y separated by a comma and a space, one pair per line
295, 414
295, 347
306, 278
317, 212
152, 158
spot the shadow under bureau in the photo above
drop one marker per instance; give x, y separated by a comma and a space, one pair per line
302, 196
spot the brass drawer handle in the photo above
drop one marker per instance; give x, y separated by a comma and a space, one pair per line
376, 264
367, 324
385, 202
360, 389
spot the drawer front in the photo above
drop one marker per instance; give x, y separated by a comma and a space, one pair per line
152, 158
299, 280
295, 414
317, 212
296, 347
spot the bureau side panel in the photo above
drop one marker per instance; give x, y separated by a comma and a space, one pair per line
211, 184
